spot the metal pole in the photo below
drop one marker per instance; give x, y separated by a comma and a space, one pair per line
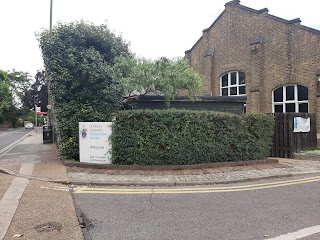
35, 110
50, 15
50, 28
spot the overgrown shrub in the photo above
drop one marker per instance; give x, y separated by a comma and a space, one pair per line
161, 137
78, 58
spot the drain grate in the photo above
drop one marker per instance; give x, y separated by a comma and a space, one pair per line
48, 227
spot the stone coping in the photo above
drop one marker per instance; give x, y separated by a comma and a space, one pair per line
70, 163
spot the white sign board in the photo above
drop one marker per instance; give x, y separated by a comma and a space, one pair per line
301, 124
94, 143
38, 109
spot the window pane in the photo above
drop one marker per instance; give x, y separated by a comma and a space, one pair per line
303, 107
233, 91
224, 91
290, 93
302, 93
233, 78
242, 90
225, 80
242, 78
290, 107
278, 95
278, 108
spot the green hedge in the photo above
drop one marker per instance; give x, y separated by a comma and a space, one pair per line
161, 137
68, 117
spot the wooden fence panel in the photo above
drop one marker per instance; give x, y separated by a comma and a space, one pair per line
309, 139
285, 141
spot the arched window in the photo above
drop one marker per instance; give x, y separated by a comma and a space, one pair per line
290, 98
233, 84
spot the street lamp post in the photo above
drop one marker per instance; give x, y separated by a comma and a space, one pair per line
50, 28
50, 15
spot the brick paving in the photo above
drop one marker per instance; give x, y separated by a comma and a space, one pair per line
285, 167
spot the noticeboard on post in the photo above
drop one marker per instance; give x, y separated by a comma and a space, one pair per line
94, 142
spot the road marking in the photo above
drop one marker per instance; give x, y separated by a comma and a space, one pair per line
66, 189
196, 190
26, 168
298, 234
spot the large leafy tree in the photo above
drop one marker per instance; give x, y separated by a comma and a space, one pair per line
164, 76
19, 83
13, 85
78, 58
37, 94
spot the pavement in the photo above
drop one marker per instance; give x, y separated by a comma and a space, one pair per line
31, 205
35, 202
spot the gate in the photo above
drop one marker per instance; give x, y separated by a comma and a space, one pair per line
285, 141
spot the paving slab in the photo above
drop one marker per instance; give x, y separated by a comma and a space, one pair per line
5, 181
45, 212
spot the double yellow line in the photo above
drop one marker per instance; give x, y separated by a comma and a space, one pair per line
141, 191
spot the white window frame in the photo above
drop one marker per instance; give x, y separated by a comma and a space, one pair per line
237, 85
284, 97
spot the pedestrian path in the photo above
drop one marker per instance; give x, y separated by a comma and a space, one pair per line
31, 205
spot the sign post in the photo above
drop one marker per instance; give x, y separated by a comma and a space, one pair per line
94, 143
38, 109
49, 108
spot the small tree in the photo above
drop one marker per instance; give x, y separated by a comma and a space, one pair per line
5, 94
140, 76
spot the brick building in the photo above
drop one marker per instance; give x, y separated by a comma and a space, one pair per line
274, 62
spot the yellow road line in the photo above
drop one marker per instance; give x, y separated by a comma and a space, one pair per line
197, 190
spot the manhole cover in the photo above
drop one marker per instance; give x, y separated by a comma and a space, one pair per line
47, 227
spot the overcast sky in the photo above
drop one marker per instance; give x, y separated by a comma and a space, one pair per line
154, 28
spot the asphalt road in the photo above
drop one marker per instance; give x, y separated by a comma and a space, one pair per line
10, 135
240, 214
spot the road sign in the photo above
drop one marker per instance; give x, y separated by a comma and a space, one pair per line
38, 109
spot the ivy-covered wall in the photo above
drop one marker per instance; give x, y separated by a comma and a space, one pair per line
78, 58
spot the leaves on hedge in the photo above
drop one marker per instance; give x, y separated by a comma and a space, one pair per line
161, 137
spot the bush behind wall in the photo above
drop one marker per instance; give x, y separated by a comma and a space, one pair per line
161, 137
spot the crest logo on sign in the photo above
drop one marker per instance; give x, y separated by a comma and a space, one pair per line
84, 133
